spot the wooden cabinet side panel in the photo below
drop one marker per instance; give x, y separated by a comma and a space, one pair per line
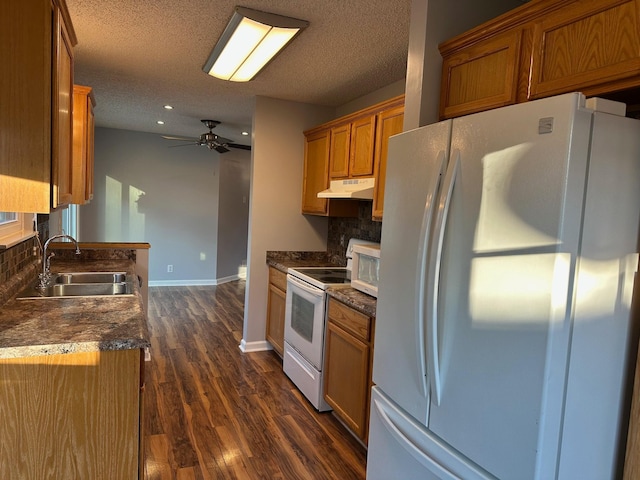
389, 123
25, 106
80, 146
276, 302
346, 377
316, 172
587, 46
63, 115
339, 151
88, 190
482, 76
362, 147
70, 416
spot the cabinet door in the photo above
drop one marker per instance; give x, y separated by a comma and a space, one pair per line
82, 159
339, 152
62, 114
592, 46
390, 122
71, 415
25, 101
346, 378
482, 76
316, 172
362, 147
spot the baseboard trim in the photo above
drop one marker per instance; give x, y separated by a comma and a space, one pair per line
189, 283
248, 347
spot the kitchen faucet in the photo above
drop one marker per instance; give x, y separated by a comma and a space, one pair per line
45, 276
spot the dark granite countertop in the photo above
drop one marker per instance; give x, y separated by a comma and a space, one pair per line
65, 325
282, 260
355, 299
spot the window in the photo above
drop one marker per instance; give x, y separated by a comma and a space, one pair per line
14, 228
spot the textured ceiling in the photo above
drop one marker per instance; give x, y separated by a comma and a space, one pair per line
139, 55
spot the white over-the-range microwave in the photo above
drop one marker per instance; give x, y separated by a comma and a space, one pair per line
365, 270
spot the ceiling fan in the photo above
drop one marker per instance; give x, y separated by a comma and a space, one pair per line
210, 139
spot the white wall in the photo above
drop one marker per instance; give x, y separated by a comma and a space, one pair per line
147, 192
276, 192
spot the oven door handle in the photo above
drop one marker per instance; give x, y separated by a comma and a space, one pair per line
296, 282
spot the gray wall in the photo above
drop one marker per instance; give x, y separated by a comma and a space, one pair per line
168, 197
233, 214
276, 194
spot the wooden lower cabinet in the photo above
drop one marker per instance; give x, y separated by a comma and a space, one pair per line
276, 301
347, 367
75, 415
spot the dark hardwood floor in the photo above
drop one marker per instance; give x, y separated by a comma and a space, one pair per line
213, 412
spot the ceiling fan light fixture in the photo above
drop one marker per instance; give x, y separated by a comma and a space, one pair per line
251, 39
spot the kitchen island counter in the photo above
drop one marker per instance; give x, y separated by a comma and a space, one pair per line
35, 327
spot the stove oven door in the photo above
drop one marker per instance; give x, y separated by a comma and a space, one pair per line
304, 320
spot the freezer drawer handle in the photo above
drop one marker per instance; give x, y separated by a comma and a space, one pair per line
408, 444
433, 279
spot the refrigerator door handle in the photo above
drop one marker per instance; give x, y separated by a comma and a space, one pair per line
433, 277
423, 256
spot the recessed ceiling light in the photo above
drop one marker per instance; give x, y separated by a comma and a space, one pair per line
245, 133
168, 107
160, 122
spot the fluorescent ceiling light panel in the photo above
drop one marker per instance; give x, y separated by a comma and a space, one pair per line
251, 39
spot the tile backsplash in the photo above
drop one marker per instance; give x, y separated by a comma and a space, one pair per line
342, 229
18, 265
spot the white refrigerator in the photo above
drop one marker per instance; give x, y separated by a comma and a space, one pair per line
504, 324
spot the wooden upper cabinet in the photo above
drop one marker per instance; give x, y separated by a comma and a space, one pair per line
544, 48
316, 172
35, 105
339, 151
481, 77
591, 46
351, 153
361, 151
389, 122
353, 146
83, 144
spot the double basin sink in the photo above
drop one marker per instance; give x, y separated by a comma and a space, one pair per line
81, 284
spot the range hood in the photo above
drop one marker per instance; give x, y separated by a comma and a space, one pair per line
355, 188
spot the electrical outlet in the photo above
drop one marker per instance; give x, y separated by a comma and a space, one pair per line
169, 268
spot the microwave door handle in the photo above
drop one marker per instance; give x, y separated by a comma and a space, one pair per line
421, 283
435, 264
304, 286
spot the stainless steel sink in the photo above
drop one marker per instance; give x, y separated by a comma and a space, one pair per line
81, 284
89, 277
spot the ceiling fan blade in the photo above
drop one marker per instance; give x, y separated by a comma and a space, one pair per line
221, 149
186, 139
238, 145
183, 145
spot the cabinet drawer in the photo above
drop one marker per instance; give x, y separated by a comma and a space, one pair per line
278, 278
351, 320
